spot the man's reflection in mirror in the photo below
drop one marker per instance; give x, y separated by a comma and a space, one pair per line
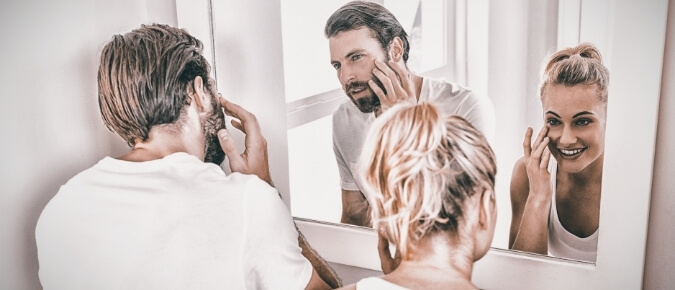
556, 201
369, 51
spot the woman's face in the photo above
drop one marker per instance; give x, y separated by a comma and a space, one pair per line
576, 120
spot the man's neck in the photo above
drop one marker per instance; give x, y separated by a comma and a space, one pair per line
417, 82
162, 143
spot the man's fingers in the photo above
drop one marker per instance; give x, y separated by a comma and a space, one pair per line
238, 125
377, 90
395, 78
247, 123
229, 147
386, 82
404, 77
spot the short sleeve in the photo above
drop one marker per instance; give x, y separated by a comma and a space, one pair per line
272, 257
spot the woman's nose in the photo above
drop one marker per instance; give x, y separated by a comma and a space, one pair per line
567, 137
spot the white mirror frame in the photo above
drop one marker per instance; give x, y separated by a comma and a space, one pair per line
634, 38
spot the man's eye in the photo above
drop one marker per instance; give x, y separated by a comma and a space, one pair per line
356, 57
336, 66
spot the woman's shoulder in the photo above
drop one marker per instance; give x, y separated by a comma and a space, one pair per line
520, 184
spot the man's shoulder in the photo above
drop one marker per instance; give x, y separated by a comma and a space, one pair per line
438, 88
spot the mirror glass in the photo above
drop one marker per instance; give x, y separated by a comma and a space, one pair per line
447, 42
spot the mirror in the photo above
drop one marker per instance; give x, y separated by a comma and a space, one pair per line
250, 62
462, 59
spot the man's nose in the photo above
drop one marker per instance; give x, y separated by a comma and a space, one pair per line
346, 75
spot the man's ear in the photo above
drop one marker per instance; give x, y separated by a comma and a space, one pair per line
396, 49
201, 98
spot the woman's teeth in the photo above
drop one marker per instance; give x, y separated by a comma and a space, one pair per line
570, 152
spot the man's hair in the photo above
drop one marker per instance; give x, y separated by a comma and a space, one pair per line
419, 166
572, 66
144, 78
382, 24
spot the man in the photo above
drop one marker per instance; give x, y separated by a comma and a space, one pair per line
369, 50
160, 217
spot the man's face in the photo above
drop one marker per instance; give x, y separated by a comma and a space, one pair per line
353, 54
212, 124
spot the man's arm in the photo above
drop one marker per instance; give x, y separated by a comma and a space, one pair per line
254, 160
355, 209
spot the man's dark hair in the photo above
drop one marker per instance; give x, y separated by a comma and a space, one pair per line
144, 77
381, 22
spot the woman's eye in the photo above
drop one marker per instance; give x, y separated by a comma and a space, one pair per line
553, 122
583, 122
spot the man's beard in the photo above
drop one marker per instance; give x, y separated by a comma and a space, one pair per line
369, 103
213, 153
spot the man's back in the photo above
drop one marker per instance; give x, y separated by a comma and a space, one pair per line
175, 222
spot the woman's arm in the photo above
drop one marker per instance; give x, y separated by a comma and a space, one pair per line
531, 194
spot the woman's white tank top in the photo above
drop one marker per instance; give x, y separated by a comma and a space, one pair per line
562, 243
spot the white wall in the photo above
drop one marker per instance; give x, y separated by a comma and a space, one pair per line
660, 261
50, 125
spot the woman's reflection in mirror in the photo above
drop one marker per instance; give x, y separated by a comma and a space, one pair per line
430, 178
556, 201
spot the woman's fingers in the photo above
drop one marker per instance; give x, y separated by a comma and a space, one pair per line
527, 148
546, 156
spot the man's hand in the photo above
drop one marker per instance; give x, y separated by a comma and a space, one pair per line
254, 159
387, 263
397, 81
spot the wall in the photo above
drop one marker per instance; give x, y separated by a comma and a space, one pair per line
49, 119
658, 273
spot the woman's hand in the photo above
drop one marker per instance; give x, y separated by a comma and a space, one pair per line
387, 263
537, 157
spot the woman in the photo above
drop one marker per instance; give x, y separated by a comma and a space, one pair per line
556, 204
430, 180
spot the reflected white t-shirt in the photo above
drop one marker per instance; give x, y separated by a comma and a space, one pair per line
350, 125
172, 223
562, 243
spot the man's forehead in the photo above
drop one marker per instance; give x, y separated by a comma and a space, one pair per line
349, 40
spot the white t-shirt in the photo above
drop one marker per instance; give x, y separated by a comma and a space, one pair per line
172, 223
562, 243
350, 125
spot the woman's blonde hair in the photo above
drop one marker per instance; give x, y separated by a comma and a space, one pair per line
418, 166
571, 66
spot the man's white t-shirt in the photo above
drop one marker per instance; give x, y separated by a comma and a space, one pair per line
172, 223
350, 125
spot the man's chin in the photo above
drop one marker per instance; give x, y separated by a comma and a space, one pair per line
367, 104
215, 156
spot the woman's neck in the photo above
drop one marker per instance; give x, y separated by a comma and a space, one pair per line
436, 261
